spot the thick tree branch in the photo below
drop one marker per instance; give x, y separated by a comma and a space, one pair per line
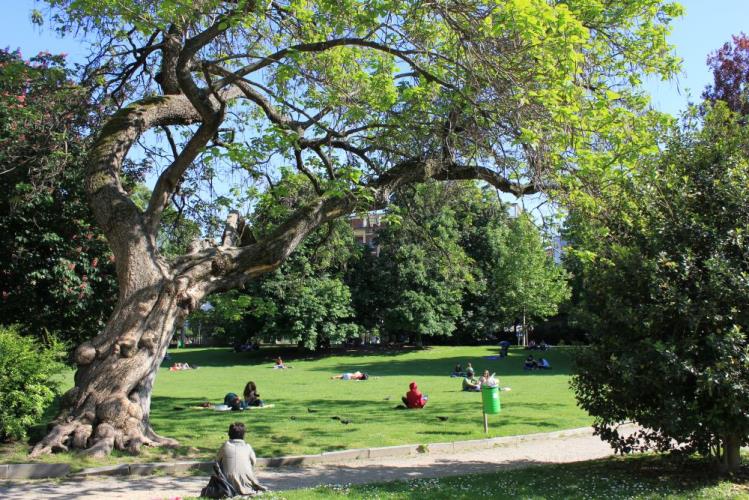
230, 267
200, 98
116, 214
107, 196
167, 77
250, 93
466, 172
172, 175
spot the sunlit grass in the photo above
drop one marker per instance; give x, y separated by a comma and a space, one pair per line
640, 477
538, 402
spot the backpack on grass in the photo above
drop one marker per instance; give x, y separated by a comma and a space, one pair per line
218, 486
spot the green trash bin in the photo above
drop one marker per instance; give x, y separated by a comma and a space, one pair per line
490, 399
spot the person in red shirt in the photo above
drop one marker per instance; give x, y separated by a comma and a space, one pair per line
414, 398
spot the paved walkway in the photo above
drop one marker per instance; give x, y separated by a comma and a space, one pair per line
515, 455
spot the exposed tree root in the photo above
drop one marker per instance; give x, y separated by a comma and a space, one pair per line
99, 441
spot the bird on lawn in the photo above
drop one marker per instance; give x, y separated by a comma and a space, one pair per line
292, 417
387, 399
444, 419
335, 417
345, 421
310, 410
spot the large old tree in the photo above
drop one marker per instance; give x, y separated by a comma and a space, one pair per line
361, 97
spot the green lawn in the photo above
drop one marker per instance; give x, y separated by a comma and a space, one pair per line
539, 401
638, 477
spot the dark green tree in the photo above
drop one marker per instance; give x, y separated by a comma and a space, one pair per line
56, 271
663, 263
416, 285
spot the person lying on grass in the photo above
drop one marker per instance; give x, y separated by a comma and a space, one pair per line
179, 367
234, 402
357, 375
414, 399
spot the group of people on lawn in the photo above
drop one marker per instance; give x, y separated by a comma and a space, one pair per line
250, 398
536, 364
470, 383
234, 473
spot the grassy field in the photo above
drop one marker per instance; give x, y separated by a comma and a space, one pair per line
639, 477
539, 401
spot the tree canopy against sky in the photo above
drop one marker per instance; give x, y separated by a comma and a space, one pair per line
360, 97
730, 66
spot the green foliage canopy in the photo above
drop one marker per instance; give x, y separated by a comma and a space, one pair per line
524, 283
528, 88
56, 275
664, 268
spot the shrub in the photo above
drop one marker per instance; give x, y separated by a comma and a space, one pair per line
29, 376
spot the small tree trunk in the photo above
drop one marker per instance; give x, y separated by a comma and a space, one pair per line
731, 453
109, 406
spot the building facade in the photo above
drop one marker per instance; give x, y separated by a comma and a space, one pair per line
365, 229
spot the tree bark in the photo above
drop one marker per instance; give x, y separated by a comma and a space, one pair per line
109, 406
731, 460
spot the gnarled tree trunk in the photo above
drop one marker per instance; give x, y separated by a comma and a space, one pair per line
110, 403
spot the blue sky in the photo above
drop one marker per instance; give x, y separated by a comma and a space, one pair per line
705, 27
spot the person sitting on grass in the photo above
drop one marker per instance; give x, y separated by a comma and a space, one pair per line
530, 363
487, 380
357, 375
457, 371
544, 364
237, 459
251, 396
414, 399
279, 364
471, 384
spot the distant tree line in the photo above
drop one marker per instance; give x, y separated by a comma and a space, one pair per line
448, 265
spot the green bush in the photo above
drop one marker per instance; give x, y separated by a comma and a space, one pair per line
28, 381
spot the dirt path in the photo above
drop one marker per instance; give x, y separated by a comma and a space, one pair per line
515, 455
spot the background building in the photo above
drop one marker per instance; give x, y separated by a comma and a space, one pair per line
365, 229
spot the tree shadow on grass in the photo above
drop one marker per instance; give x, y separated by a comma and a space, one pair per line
225, 356
512, 365
371, 361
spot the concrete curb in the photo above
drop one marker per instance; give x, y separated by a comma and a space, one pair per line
39, 471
